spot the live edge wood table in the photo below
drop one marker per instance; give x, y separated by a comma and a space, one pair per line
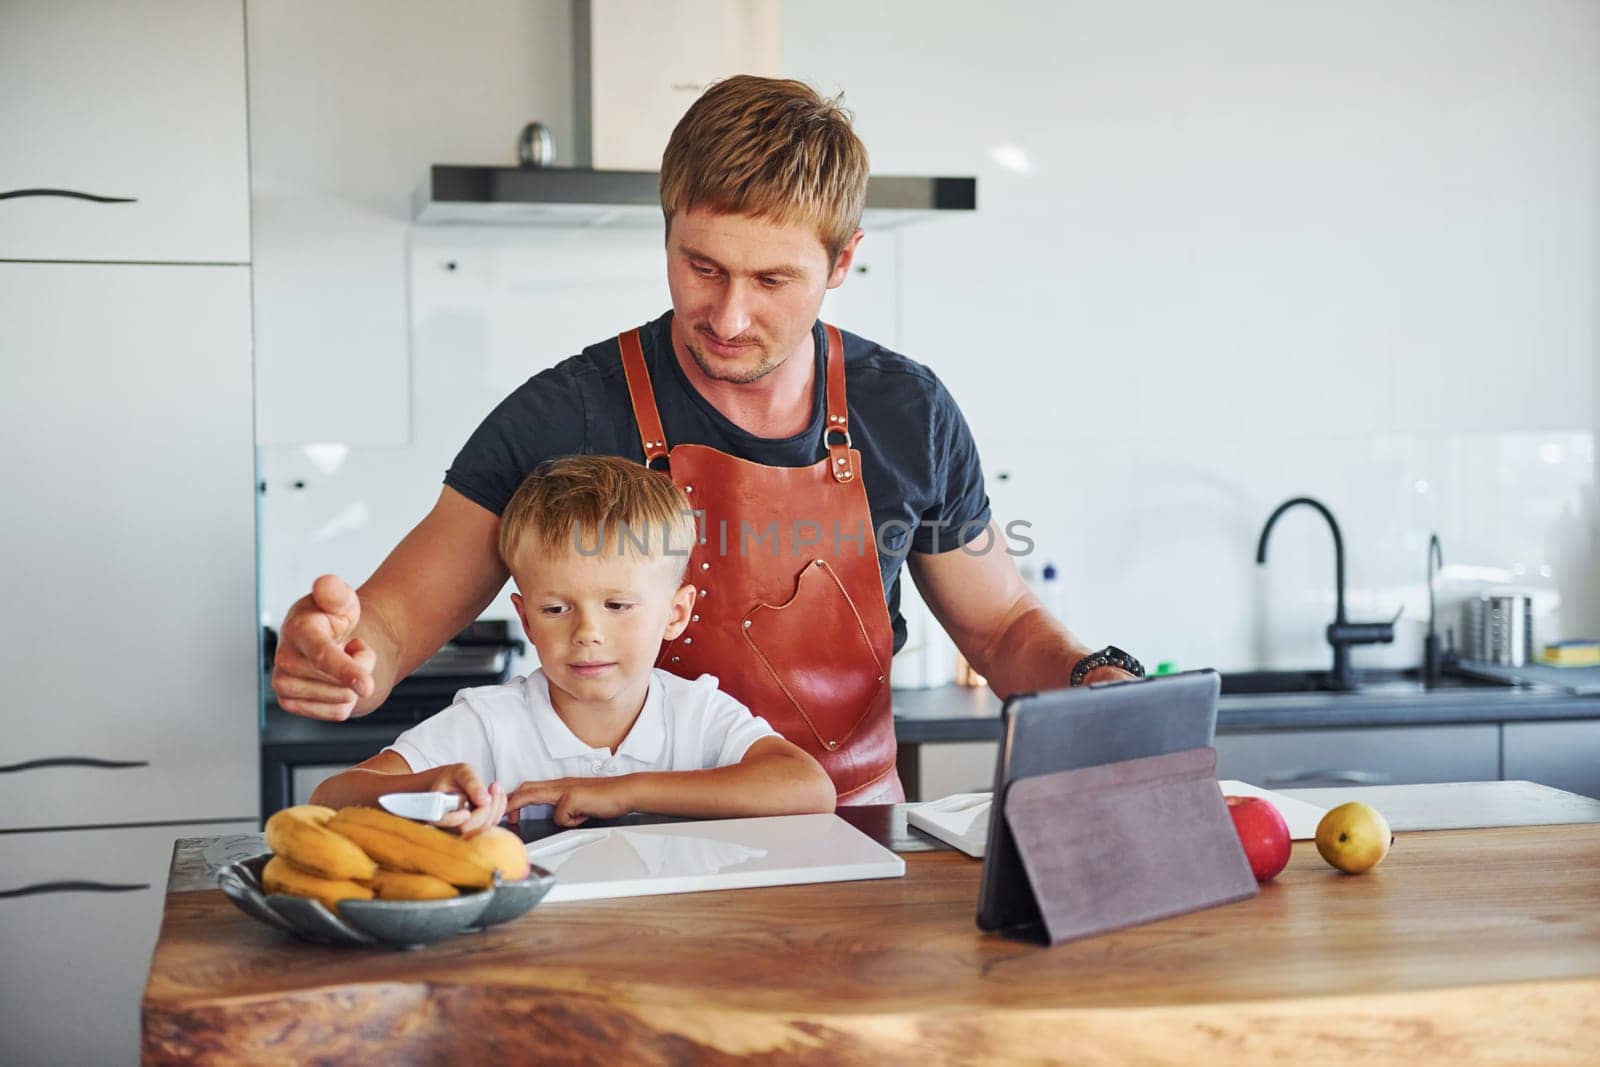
1465, 946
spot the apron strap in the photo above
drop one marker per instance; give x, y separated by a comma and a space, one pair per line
840, 462
643, 398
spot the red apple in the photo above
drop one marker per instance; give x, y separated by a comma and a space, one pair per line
1263, 833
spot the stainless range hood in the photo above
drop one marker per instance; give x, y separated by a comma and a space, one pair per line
580, 196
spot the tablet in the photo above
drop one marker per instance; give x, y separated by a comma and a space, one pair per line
1067, 729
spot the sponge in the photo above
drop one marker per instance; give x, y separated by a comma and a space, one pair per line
1583, 652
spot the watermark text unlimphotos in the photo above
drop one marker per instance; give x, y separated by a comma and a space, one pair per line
806, 537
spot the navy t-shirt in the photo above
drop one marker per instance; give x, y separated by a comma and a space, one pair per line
918, 460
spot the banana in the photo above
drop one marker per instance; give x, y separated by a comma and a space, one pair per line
403, 845
400, 885
300, 835
281, 876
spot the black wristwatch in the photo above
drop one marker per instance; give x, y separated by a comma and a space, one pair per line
1110, 656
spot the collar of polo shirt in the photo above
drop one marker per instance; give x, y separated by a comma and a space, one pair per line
643, 744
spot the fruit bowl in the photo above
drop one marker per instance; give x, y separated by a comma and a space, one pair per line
395, 923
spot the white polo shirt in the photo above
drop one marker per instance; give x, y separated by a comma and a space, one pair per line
511, 734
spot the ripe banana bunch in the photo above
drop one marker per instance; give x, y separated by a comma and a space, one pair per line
301, 836
402, 845
281, 876
332, 856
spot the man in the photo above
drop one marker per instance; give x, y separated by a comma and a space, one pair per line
817, 459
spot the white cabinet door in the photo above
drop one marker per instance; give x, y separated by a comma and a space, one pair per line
1389, 755
76, 955
128, 629
142, 102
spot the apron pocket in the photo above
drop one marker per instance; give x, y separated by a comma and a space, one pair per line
817, 651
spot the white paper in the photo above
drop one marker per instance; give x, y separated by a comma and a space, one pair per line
962, 819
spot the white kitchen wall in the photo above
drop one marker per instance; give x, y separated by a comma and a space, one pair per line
1233, 252
1225, 254
350, 102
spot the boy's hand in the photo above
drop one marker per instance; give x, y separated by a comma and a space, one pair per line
575, 799
482, 807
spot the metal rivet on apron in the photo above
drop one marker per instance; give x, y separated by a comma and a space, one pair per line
817, 563
847, 474
841, 461
688, 489
747, 624
674, 659
688, 640
880, 678
696, 618
705, 566
832, 745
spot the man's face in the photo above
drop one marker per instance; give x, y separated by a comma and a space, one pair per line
746, 291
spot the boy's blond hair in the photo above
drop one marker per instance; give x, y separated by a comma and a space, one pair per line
596, 504
772, 148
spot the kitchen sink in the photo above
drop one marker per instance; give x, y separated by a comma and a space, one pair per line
1259, 683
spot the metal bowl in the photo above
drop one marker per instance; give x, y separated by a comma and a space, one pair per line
395, 923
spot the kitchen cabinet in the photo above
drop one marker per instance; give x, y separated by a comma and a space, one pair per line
130, 622
1390, 755
76, 958
141, 103
130, 628
1565, 755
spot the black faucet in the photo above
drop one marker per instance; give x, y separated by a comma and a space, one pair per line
1432, 660
1341, 634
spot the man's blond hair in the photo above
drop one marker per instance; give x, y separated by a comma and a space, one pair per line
595, 504
771, 148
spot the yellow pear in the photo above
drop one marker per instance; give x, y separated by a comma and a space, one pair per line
1354, 837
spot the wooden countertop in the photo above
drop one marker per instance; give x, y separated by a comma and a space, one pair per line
1464, 946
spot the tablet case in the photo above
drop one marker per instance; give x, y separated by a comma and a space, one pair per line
1080, 727
1126, 843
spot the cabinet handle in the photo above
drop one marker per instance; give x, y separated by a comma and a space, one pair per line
73, 761
1341, 777
71, 194
70, 887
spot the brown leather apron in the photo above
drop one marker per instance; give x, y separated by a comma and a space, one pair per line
790, 615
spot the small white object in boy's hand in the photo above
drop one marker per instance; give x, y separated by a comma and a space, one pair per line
424, 807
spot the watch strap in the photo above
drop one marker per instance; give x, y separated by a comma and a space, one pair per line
1110, 656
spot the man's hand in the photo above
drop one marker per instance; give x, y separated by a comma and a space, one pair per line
487, 805
575, 799
322, 670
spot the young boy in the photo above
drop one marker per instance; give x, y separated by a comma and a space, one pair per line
597, 546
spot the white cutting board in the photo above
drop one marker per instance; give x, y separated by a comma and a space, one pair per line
962, 819
692, 857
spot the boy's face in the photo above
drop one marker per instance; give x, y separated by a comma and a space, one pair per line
598, 622
745, 291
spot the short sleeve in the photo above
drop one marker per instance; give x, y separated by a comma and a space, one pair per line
728, 730
959, 512
455, 735
543, 418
